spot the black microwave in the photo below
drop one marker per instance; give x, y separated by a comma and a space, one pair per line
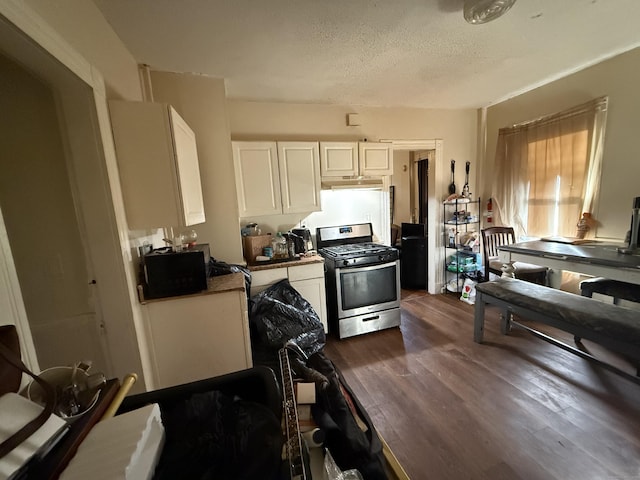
168, 273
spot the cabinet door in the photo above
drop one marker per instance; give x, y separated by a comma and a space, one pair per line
375, 158
338, 159
157, 191
198, 337
257, 178
188, 171
299, 164
313, 291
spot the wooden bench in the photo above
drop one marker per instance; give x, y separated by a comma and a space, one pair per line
614, 327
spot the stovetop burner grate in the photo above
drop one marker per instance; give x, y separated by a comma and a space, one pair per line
351, 249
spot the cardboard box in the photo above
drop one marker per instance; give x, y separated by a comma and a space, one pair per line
252, 246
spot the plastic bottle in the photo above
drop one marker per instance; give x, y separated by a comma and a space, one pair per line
452, 238
280, 246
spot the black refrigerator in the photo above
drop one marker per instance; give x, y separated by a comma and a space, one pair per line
413, 256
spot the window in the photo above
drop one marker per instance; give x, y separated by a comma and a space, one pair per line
549, 170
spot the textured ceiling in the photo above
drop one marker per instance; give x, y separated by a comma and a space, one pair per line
410, 53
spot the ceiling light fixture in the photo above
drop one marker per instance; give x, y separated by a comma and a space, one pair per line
484, 11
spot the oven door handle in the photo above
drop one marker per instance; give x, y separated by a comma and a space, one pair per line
368, 319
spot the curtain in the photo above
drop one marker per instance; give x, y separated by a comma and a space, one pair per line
549, 170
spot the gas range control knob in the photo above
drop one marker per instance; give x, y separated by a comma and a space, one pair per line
345, 262
381, 257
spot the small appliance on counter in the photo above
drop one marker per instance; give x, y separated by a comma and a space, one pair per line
302, 240
168, 273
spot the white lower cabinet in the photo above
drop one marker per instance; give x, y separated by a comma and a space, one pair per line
197, 337
307, 279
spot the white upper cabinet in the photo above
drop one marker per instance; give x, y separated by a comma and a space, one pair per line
299, 164
275, 178
375, 158
348, 159
257, 178
339, 159
158, 164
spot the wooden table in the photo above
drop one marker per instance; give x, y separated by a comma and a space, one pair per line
596, 259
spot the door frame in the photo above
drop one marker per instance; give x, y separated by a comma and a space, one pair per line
435, 275
30, 40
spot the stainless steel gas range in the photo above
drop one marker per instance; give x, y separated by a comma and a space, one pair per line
362, 280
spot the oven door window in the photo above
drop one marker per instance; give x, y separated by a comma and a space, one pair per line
368, 287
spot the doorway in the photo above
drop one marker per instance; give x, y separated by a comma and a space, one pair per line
420, 200
83, 126
414, 255
419, 185
46, 237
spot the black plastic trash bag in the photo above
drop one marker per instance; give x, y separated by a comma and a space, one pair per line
217, 268
213, 436
350, 446
279, 314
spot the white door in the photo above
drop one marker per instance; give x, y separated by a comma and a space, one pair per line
11, 304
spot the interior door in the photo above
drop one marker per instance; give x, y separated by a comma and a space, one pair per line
43, 230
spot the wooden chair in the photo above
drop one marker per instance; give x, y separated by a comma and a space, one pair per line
612, 288
495, 237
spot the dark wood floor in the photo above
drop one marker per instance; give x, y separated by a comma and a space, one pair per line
515, 407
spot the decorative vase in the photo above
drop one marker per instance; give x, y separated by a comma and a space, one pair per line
584, 225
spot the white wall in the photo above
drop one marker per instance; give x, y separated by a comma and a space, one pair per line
343, 207
618, 78
277, 121
82, 25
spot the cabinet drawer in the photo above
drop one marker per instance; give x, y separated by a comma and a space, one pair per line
267, 277
303, 272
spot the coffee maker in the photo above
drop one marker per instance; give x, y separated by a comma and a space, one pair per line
302, 240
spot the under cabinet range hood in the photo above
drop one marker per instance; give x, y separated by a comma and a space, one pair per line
339, 183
